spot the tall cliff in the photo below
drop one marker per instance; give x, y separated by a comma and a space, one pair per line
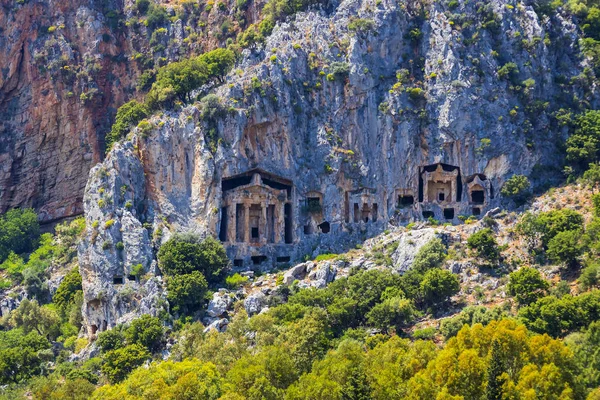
375, 113
66, 67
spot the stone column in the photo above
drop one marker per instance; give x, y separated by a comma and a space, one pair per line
246, 223
263, 229
232, 223
426, 188
278, 219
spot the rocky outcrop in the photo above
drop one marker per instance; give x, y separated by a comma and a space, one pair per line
369, 116
66, 68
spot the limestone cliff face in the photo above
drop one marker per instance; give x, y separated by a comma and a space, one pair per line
378, 113
66, 67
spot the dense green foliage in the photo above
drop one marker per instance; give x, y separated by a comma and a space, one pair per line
128, 116
186, 292
184, 254
190, 265
19, 232
517, 188
527, 285
484, 245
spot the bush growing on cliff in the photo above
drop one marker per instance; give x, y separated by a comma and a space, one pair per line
516, 188
19, 232
128, 116
184, 254
583, 146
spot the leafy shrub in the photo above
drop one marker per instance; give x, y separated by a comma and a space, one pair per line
146, 331
431, 255
438, 285
361, 25
111, 339
186, 292
128, 116
121, 362
590, 276
527, 285
393, 312
19, 232
517, 188
583, 146
484, 244
509, 71
69, 286
142, 6
558, 317
156, 16
424, 334
183, 254
235, 281
565, 247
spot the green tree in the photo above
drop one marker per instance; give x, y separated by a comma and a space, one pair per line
583, 144
438, 285
186, 293
128, 116
121, 362
19, 232
516, 188
111, 339
219, 62
527, 285
484, 244
565, 247
146, 331
495, 372
183, 254
29, 316
65, 294
431, 255
394, 312
592, 176
21, 355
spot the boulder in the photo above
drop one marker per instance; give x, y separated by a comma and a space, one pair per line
255, 303
295, 273
219, 303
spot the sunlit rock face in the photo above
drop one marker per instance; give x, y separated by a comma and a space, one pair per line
340, 125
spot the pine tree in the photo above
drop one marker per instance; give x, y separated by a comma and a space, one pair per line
495, 370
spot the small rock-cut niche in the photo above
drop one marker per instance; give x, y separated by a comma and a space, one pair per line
117, 280
428, 214
256, 260
283, 259
313, 205
131, 277
94, 329
477, 196
356, 211
324, 227
449, 213
405, 201
365, 212
238, 262
476, 211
